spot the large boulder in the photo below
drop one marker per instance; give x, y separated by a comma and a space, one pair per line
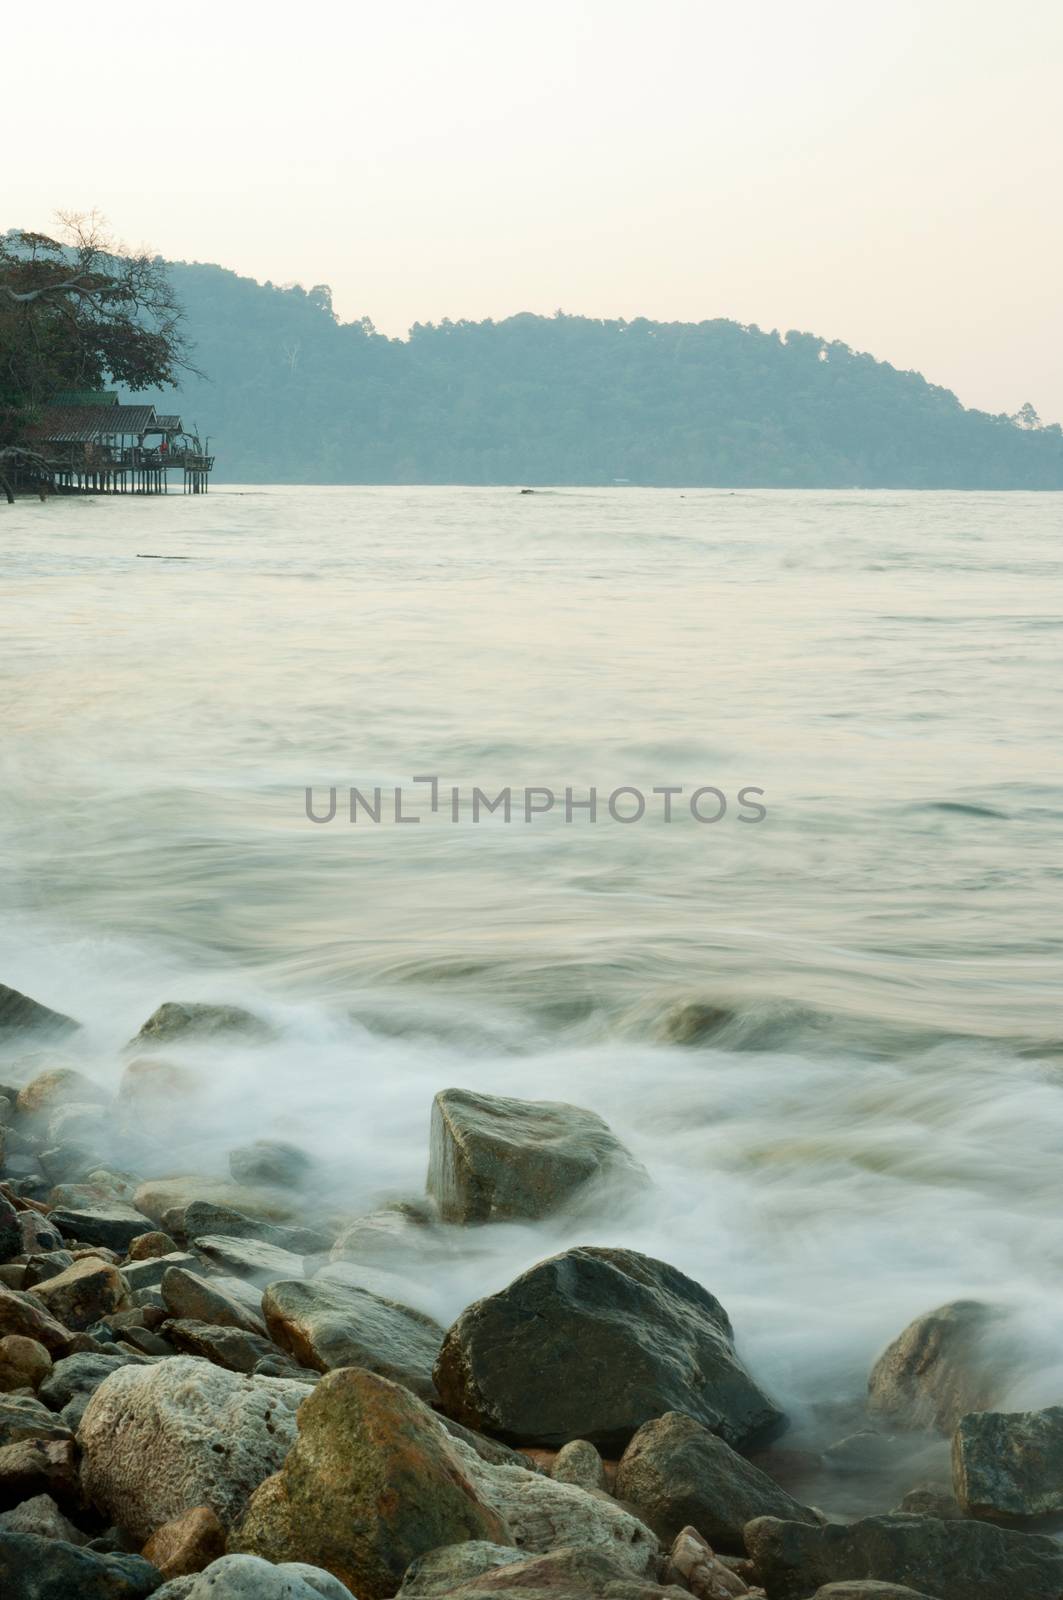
111, 1223
494, 1160
372, 1482
1009, 1464
327, 1325
237, 1577
180, 1019
35, 1568
20, 1014
210, 1436
84, 1293
942, 1366
675, 1473
954, 1560
590, 1345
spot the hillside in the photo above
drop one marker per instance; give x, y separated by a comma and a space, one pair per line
293, 395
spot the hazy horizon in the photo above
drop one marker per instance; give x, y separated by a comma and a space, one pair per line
881, 179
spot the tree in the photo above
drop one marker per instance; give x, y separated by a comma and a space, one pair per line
77, 312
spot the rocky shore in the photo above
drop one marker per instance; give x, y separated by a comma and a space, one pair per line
204, 1394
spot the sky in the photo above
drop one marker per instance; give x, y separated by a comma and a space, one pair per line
888, 175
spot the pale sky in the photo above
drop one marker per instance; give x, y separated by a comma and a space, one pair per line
887, 174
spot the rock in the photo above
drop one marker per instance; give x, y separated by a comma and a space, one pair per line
210, 1435
49, 1264
23, 1417
149, 1083
693, 1565
84, 1293
492, 1450
930, 1500
107, 1222
867, 1589
401, 1230
38, 1233
187, 1543
675, 1473
249, 1257
1009, 1463
35, 1467
631, 1336
493, 1159
213, 1300
20, 1014
950, 1560
160, 1196
50, 1569
150, 1247
149, 1273
24, 1363
542, 1515
41, 1517
49, 1090
204, 1219
270, 1161
10, 1231
229, 1347
177, 1019
372, 1482
328, 1325
237, 1577
77, 1377
25, 1314
452, 1565
579, 1463
566, 1574
939, 1368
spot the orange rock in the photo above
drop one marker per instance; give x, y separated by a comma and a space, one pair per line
187, 1543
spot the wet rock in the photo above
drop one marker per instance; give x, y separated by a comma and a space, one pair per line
249, 1257
34, 1467
25, 1314
675, 1474
230, 1347
633, 1338
868, 1589
1009, 1463
40, 1268
930, 1500
148, 1084
32, 1568
177, 1019
84, 1293
579, 1463
327, 1325
110, 1223
10, 1231
38, 1233
372, 1482
270, 1161
493, 1159
149, 1273
24, 1363
205, 1219
400, 1232
239, 1577
23, 1417
74, 1380
41, 1517
20, 1014
150, 1247
49, 1090
225, 1302
186, 1544
957, 1560
210, 1435
692, 1564
448, 1568
161, 1196
543, 1515
942, 1366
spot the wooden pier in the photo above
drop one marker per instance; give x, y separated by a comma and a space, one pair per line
102, 447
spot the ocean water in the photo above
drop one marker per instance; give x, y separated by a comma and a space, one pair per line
832, 1035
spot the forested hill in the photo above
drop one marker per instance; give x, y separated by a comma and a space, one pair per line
293, 395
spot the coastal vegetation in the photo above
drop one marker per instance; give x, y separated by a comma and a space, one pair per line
298, 396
